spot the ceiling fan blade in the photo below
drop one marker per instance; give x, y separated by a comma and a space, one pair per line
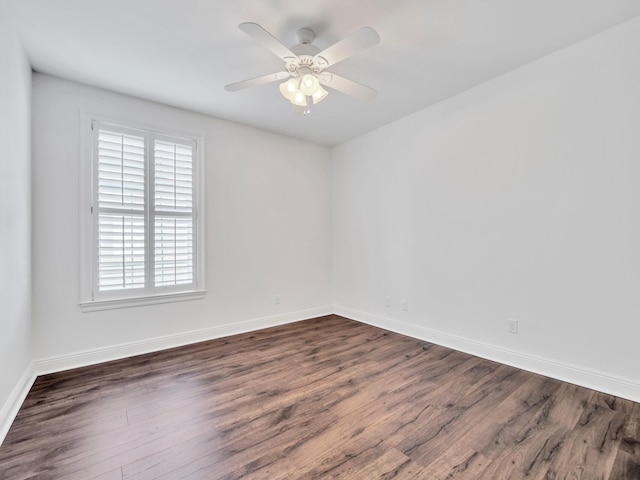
362, 39
347, 86
265, 38
254, 82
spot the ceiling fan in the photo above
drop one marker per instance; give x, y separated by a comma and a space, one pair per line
305, 64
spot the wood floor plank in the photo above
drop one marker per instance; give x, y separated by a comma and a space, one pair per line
393, 464
460, 462
115, 474
347, 397
388, 414
323, 398
627, 462
240, 437
543, 437
468, 457
459, 413
592, 445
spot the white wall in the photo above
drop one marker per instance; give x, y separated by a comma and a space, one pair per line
519, 198
15, 217
268, 229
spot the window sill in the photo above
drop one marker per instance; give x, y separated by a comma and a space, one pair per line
93, 306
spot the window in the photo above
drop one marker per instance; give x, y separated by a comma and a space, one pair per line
145, 237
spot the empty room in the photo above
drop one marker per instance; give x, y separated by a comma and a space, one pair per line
281, 239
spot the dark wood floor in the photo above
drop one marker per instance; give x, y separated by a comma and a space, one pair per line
325, 398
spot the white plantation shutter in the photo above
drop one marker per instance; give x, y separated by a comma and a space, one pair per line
173, 221
121, 199
144, 215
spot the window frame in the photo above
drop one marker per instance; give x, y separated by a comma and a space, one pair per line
90, 298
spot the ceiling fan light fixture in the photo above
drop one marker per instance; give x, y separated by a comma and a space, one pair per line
319, 95
289, 88
305, 64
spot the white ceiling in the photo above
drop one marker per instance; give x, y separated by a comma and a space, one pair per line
183, 52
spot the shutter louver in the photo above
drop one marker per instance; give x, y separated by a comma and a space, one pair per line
121, 252
173, 177
121, 198
121, 171
173, 251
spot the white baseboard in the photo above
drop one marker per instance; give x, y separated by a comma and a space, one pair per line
595, 380
116, 352
14, 402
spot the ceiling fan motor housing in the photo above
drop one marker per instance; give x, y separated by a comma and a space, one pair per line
305, 36
305, 53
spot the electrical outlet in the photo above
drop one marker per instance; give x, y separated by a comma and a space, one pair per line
405, 305
512, 325
387, 302
276, 300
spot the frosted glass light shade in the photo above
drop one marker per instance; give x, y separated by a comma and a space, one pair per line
299, 99
309, 84
289, 88
319, 95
